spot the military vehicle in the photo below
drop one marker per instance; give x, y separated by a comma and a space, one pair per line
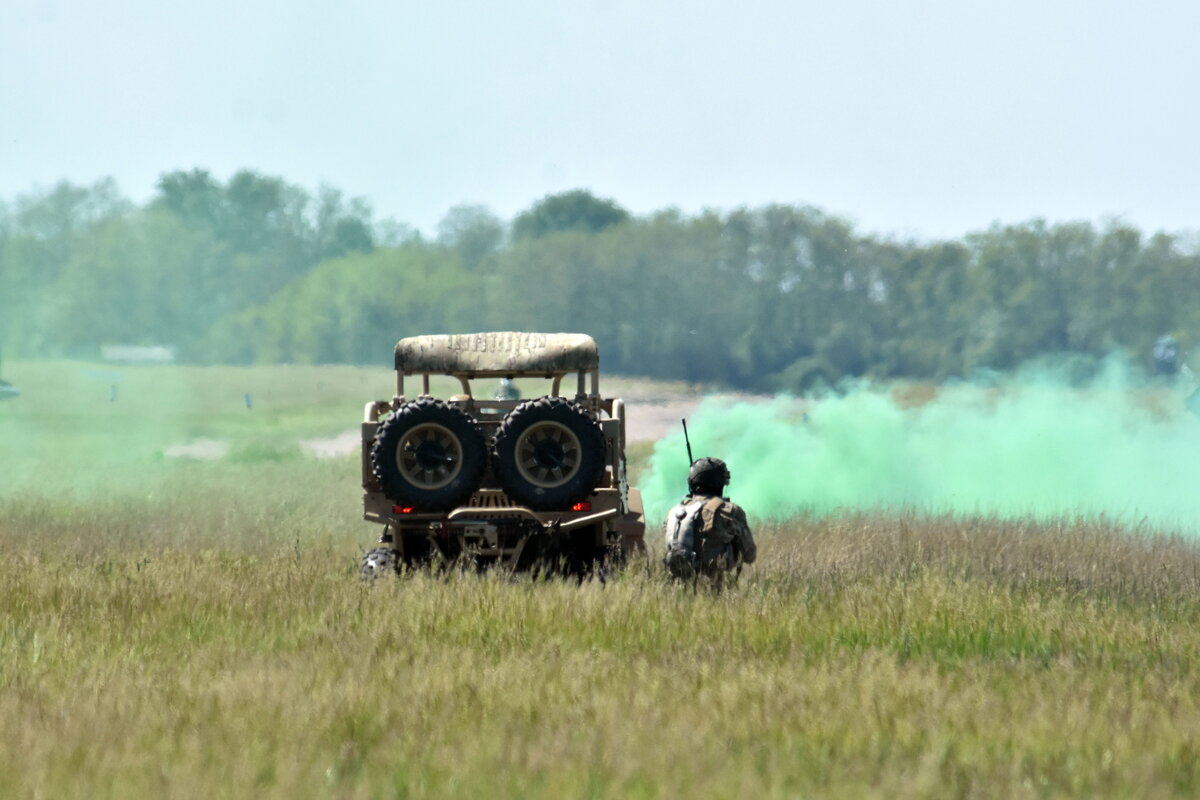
8, 391
533, 483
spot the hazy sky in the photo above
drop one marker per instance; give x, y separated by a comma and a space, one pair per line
912, 117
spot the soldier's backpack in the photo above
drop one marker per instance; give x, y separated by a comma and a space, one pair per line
685, 535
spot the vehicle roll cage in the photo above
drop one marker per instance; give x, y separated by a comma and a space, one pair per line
465, 377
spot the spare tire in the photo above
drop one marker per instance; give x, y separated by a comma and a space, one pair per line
548, 453
429, 455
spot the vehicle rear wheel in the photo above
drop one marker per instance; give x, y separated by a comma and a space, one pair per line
548, 453
377, 562
429, 455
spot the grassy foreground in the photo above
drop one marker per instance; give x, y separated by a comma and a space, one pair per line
200, 647
180, 628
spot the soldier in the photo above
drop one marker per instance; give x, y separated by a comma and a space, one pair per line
707, 534
507, 390
1166, 355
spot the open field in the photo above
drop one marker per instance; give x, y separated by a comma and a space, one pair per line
182, 627
209, 648
134, 414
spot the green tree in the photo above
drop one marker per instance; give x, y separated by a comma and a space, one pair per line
472, 230
352, 309
578, 210
43, 232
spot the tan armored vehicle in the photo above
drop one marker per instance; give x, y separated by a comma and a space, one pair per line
519, 483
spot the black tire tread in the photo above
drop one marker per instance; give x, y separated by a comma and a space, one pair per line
553, 409
471, 440
377, 562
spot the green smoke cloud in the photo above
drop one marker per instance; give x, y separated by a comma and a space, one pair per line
1030, 447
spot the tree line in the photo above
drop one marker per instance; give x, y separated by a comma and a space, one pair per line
256, 270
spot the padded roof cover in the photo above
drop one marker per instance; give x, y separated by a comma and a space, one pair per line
498, 352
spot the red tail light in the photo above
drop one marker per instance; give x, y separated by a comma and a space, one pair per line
584, 506
402, 509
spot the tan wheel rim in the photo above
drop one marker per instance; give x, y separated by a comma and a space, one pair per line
547, 455
429, 456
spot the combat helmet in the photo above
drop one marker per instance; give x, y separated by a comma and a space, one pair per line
708, 476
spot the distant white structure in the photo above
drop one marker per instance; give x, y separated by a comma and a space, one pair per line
133, 354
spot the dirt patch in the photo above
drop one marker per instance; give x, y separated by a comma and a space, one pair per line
651, 417
647, 419
200, 449
332, 447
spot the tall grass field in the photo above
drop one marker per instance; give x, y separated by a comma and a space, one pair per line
183, 626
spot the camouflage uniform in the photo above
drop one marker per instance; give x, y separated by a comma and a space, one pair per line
726, 541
